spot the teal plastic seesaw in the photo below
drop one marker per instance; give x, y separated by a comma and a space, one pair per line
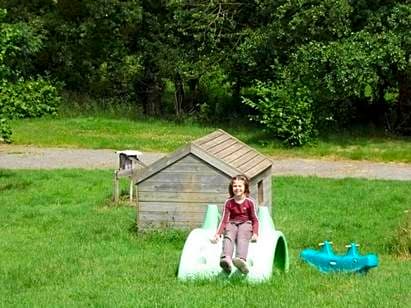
200, 258
326, 261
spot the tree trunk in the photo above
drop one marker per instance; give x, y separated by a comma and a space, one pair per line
153, 103
178, 95
192, 100
237, 90
403, 123
150, 91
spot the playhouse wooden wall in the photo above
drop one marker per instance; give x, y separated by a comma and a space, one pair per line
178, 195
260, 188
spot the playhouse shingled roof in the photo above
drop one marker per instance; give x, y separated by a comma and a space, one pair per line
220, 150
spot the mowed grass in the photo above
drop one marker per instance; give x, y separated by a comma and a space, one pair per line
106, 133
63, 243
154, 135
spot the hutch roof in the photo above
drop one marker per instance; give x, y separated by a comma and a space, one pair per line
220, 150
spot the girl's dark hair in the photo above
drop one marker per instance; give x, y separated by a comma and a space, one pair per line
239, 178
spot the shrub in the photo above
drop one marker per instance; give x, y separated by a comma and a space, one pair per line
285, 111
27, 99
5, 130
21, 97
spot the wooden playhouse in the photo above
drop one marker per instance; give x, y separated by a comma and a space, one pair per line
175, 190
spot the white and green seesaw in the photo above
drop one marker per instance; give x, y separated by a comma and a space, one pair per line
200, 258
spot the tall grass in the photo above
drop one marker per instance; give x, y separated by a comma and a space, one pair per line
79, 105
63, 243
147, 134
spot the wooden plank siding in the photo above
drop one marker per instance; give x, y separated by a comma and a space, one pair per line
221, 146
253, 171
237, 155
160, 164
174, 215
178, 215
179, 194
172, 207
185, 187
159, 224
209, 137
172, 218
165, 177
215, 142
218, 149
217, 163
175, 191
228, 150
233, 152
267, 191
252, 162
240, 161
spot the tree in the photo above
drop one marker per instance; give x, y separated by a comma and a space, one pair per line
21, 95
348, 60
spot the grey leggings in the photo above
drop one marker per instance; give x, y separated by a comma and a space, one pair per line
240, 235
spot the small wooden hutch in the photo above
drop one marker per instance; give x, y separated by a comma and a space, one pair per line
175, 190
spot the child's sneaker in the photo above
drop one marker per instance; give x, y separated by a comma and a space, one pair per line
241, 265
225, 265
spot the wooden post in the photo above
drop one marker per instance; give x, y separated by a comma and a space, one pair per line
131, 188
136, 192
116, 187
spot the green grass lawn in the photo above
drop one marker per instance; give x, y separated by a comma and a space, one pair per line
63, 243
163, 136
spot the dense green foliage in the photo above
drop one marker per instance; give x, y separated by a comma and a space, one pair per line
65, 244
22, 95
285, 110
328, 63
29, 99
352, 64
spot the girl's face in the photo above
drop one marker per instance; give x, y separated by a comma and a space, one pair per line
238, 188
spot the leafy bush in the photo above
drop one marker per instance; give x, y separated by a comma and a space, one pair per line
18, 41
285, 110
27, 99
21, 97
5, 130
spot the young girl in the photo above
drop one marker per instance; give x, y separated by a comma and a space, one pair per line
239, 225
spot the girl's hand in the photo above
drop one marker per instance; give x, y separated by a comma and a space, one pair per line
214, 239
254, 238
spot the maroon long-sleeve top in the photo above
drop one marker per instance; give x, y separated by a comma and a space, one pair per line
238, 213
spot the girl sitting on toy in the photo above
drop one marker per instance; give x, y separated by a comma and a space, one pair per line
239, 225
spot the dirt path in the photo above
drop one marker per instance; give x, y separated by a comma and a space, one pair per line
27, 157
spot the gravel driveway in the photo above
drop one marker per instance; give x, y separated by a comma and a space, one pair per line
27, 157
